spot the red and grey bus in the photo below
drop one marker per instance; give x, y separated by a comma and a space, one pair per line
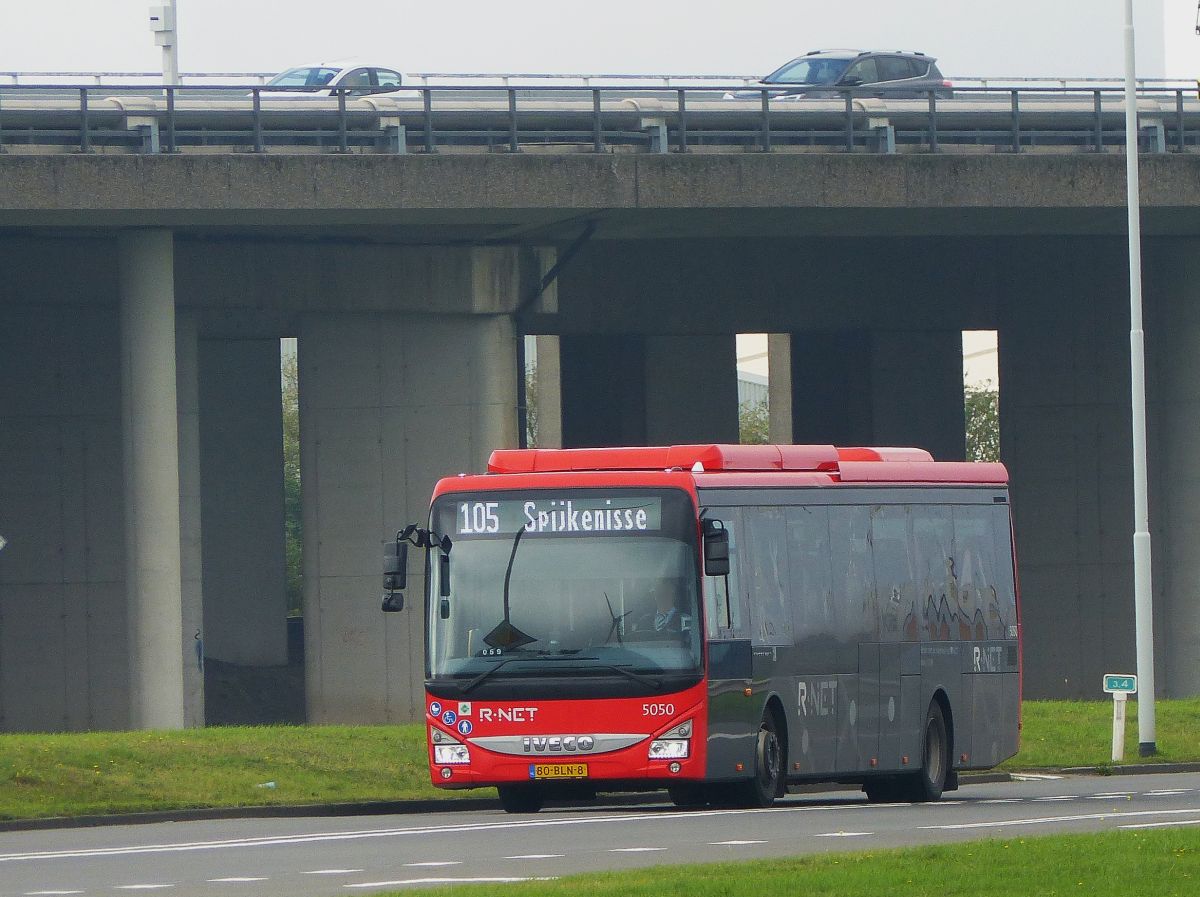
721, 621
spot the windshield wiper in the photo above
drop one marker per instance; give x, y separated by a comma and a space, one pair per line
618, 622
649, 683
505, 634
541, 655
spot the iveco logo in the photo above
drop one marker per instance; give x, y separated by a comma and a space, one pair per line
548, 744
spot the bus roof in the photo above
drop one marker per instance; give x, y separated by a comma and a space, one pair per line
855, 464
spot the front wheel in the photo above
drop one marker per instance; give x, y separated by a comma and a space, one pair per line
767, 782
687, 795
929, 783
520, 798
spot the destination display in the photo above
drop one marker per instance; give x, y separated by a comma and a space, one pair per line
558, 516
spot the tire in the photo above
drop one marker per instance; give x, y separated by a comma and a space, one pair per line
929, 783
883, 790
767, 783
520, 798
688, 795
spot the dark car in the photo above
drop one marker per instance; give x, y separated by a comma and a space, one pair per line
863, 73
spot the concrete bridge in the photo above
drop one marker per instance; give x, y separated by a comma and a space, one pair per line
142, 299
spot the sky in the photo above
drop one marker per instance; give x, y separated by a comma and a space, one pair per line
1026, 38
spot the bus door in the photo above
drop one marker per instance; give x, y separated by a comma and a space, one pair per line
731, 730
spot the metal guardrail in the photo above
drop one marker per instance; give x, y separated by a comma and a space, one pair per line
555, 118
517, 79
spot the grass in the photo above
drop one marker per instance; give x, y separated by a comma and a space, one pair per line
114, 772
1079, 733
1165, 863
110, 772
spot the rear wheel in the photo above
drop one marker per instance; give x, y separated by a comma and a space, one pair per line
929, 783
767, 782
883, 790
520, 798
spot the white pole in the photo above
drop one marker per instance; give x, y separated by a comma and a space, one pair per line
166, 35
1118, 746
1142, 592
171, 50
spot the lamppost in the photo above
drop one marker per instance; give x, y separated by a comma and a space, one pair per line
1142, 593
162, 23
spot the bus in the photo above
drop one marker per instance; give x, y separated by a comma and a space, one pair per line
719, 621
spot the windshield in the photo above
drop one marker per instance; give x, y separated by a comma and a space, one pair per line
574, 582
305, 76
809, 70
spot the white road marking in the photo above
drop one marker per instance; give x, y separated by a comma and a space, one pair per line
1042, 820
1164, 824
437, 863
315, 837
1104, 795
441, 881
147, 887
1165, 793
1058, 797
842, 834
537, 856
236, 878
331, 872
635, 849
1003, 800
736, 843
1033, 777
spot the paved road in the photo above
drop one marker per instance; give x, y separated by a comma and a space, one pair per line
325, 857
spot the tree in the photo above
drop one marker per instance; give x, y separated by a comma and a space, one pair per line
291, 482
531, 405
982, 407
754, 423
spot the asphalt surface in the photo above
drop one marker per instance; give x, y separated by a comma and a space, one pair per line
324, 856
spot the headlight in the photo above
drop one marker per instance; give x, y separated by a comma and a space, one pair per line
669, 749
447, 754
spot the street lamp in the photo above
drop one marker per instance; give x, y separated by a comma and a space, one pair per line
1142, 593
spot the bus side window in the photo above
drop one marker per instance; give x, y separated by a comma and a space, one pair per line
926, 616
853, 576
981, 615
894, 567
766, 569
808, 571
722, 603
1006, 590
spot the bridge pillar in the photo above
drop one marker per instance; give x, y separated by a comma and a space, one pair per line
648, 390
389, 403
1172, 290
190, 558
241, 441
876, 387
152, 513
1065, 437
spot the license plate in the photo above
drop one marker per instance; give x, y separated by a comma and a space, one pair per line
558, 770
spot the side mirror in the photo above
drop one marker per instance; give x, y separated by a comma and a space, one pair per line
444, 575
395, 565
850, 81
393, 602
716, 548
